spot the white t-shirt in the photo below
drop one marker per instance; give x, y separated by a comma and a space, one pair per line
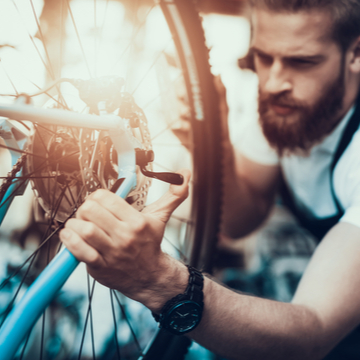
308, 177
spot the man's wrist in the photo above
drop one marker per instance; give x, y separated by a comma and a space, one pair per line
182, 313
172, 279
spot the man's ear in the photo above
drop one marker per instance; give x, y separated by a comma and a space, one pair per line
354, 54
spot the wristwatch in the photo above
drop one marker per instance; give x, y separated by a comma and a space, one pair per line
183, 312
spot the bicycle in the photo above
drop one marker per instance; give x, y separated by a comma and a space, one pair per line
110, 143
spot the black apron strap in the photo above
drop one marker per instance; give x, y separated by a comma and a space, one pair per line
319, 227
351, 128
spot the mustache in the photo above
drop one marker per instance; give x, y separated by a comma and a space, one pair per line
282, 99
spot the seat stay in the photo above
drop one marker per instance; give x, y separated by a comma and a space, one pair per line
61, 117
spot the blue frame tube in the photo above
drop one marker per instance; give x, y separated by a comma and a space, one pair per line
25, 314
7, 200
6, 133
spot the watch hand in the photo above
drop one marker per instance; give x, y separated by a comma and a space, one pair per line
182, 315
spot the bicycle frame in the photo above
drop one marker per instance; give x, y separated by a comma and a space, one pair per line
7, 134
43, 290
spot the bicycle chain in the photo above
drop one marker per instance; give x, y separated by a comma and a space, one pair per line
11, 175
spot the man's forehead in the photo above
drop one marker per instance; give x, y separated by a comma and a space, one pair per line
300, 33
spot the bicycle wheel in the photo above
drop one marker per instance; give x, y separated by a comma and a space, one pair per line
170, 82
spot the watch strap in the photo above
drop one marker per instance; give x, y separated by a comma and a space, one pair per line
193, 292
195, 286
168, 305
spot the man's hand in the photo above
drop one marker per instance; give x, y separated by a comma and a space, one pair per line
121, 246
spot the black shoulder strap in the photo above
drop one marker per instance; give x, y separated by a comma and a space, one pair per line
351, 127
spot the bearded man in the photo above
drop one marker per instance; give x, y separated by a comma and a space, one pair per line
307, 57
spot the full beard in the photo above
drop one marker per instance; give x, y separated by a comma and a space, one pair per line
307, 126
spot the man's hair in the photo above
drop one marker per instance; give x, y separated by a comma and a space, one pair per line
345, 15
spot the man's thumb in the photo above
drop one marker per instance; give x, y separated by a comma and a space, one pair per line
164, 207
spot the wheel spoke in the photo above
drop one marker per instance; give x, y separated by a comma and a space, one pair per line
187, 221
78, 37
133, 37
171, 145
163, 130
62, 32
53, 210
132, 40
182, 255
42, 334
17, 178
9, 78
152, 65
25, 345
45, 128
95, 41
46, 66
62, 104
123, 312
86, 320
22, 151
23, 124
115, 324
33, 255
10, 305
91, 317
42, 140
51, 68
71, 194
45, 164
103, 23
158, 96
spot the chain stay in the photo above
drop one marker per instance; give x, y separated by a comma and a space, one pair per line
12, 175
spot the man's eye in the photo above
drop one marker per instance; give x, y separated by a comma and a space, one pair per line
266, 60
302, 63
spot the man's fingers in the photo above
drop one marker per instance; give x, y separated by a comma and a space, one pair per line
95, 213
164, 207
92, 234
181, 191
117, 206
80, 249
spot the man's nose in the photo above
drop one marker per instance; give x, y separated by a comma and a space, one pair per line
278, 79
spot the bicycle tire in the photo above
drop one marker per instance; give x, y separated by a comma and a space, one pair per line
185, 25
207, 162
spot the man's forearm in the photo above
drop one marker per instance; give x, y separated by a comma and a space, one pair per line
244, 209
238, 326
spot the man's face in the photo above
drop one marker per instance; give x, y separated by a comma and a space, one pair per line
301, 78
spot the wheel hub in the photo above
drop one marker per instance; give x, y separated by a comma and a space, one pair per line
80, 161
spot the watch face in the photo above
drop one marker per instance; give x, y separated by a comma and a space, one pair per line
184, 317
